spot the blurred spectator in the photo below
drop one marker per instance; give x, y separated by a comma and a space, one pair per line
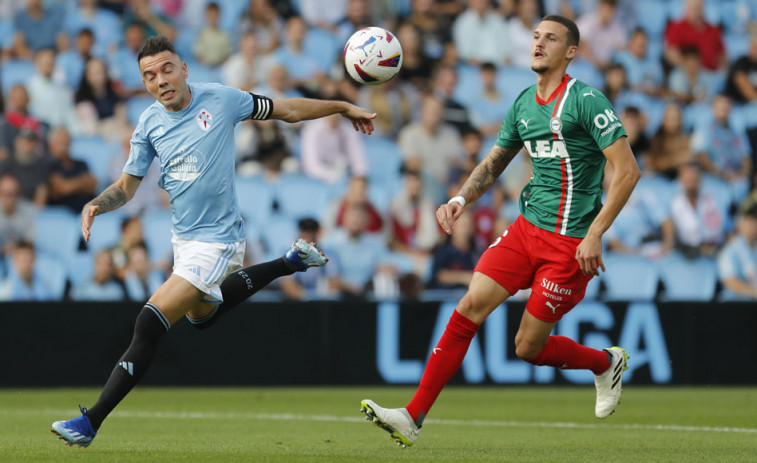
263, 20
153, 23
722, 151
35, 28
247, 68
393, 102
643, 72
24, 283
433, 26
444, 83
332, 150
602, 34
213, 45
103, 285
478, 32
737, 261
358, 16
431, 147
669, 147
454, 260
71, 184
635, 123
16, 118
149, 195
69, 65
520, 30
690, 82
324, 14
122, 63
352, 240
263, 147
302, 69
356, 194
98, 104
416, 66
698, 218
131, 235
413, 219
319, 284
49, 101
9, 8
489, 108
16, 215
741, 84
28, 167
103, 23
693, 31
140, 280
641, 228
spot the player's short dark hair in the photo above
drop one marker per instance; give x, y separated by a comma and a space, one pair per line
574, 37
488, 66
632, 111
155, 45
213, 6
690, 51
308, 224
86, 32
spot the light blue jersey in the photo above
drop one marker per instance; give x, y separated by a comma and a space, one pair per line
195, 149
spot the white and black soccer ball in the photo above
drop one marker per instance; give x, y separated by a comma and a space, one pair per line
373, 55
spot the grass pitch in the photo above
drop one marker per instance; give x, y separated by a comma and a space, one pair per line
468, 424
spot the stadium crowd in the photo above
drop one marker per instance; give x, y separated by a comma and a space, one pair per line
682, 75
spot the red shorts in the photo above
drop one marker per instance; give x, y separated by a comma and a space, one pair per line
526, 256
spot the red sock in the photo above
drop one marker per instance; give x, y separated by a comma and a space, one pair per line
444, 362
562, 352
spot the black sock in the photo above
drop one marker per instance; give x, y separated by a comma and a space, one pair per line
150, 326
242, 284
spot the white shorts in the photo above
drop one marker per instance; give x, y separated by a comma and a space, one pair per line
206, 265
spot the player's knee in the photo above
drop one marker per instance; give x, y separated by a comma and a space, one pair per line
473, 307
526, 350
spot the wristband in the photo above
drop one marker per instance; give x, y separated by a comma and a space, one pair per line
457, 199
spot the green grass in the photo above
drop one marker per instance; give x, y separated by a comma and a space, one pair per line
497, 424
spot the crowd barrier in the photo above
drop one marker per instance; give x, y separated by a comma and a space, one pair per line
350, 343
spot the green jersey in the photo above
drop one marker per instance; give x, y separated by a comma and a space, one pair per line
565, 136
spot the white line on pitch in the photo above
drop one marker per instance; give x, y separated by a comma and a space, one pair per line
452, 422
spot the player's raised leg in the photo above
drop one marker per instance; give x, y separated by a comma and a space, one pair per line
403, 424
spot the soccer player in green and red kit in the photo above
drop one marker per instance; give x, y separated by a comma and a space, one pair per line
554, 247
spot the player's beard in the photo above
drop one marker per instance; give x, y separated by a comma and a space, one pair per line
540, 68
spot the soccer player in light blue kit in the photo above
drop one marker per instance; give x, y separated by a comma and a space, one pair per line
190, 130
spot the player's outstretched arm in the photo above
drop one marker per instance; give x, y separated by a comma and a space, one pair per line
303, 109
112, 198
626, 174
479, 181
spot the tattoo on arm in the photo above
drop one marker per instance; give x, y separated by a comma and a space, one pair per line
112, 198
486, 173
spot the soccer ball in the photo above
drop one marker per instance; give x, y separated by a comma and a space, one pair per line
372, 56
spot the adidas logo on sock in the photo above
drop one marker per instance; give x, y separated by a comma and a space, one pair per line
128, 366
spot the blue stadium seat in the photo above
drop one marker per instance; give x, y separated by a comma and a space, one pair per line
199, 73
735, 17
384, 162
656, 190
97, 153
512, 81
653, 17
57, 231
81, 267
15, 72
277, 235
135, 106
688, 280
157, 232
468, 82
629, 278
322, 47
255, 198
53, 273
299, 196
106, 231
736, 44
585, 71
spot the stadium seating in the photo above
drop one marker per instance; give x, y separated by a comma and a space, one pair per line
512, 81
53, 273
106, 231
629, 278
81, 267
255, 198
277, 235
97, 153
688, 280
384, 162
299, 196
157, 232
14, 72
57, 231
135, 106
655, 17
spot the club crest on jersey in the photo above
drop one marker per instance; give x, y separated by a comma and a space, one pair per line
555, 124
204, 119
